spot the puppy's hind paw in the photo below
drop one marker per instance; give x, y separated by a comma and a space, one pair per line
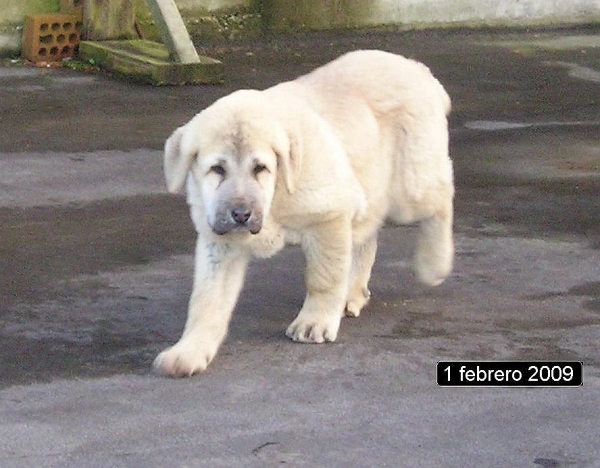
356, 302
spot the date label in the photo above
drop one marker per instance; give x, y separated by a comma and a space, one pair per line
509, 374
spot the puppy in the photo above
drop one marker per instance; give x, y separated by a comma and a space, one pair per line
323, 160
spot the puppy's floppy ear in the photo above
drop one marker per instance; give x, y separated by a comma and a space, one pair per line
287, 147
177, 160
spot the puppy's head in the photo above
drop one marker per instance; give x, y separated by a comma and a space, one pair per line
233, 151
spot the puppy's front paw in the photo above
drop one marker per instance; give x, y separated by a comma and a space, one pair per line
313, 329
184, 359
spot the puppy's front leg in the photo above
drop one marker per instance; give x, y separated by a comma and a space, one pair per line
218, 278
328, 258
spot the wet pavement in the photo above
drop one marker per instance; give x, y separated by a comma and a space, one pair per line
95, 273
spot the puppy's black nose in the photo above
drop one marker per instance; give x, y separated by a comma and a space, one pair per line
241, 214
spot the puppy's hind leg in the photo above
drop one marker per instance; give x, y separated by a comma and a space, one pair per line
434, 252
363, 257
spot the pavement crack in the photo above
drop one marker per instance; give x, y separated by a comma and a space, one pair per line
258, 449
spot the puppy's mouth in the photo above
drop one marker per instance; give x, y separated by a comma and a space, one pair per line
220, 230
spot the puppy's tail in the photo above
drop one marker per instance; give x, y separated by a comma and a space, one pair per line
434, 255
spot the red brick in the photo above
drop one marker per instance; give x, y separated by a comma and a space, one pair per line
50, 38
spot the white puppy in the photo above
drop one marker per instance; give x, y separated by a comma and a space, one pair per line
322, 160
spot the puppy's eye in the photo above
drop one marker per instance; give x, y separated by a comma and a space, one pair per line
259, 168
218, 169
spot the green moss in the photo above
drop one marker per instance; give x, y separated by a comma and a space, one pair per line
30, 7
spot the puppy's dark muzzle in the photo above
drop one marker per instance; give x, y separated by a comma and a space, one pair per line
239, 218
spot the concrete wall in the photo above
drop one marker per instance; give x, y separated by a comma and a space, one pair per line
199, 15
207, 19
411, 14
12, 15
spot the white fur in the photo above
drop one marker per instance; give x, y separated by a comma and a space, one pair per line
323, 160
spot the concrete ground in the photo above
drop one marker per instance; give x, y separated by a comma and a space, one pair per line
95, 273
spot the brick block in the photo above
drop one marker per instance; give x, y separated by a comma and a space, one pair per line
50, 38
